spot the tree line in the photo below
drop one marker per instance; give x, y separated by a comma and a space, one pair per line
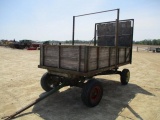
142, 42
148, 42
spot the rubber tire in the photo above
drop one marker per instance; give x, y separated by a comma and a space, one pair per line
125, 76
87, 90
44, 82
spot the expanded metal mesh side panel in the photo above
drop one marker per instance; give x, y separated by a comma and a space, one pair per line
106, 33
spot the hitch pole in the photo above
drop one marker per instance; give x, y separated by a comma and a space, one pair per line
34, 102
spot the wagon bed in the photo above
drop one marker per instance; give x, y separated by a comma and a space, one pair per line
82, 60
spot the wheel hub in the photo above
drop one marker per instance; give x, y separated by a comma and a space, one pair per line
95, 94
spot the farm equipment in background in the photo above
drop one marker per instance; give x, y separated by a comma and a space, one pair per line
155, 49
34, 46
22, 44
76, 65
6, 43
158, 50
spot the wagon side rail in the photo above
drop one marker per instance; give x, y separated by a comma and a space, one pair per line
89, 61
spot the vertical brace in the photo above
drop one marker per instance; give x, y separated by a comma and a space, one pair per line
59, 56
116, 37
97, 58
42, 55
79, 59
131, 42
118, 56
95, 35
109, 58
73, 30
125, 52
86, 50
128, 55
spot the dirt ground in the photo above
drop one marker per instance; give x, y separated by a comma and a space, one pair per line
20, 84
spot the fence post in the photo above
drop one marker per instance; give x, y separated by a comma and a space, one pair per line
137, 48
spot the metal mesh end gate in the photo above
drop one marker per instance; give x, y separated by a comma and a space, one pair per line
105, 33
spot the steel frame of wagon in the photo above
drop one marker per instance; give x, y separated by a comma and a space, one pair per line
116, 30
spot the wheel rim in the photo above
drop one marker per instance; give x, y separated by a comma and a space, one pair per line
52, 81
95, 94
50, 84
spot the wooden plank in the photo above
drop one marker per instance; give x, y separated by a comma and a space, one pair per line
82, 66
70, 63
103, 53
79, 59
50, 62
121, 55
67, 64
82, 53
113, 56
51, 55
92, 53
125, 55
103, 63
70, 52
51, 51
92, 66
118, 55
82, 58
92, 58
109, 58
59, 56
86, 50
97, 57
128, 52
103, 57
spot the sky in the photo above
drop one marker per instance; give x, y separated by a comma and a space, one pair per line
52, 19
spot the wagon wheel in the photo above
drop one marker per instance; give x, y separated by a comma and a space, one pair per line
125, 76
92, 93
49, 81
